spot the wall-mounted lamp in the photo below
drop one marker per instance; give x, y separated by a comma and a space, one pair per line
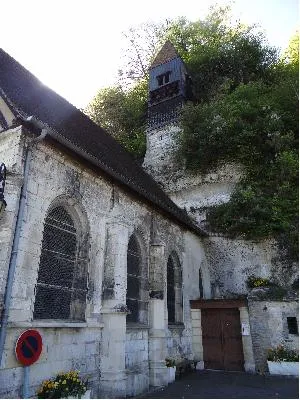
2, 186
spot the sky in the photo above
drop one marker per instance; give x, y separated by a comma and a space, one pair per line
75, 46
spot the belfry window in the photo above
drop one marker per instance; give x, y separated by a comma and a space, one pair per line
174, 290
62, 277
163, 79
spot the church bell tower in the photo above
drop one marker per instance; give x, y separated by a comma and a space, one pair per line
169, 88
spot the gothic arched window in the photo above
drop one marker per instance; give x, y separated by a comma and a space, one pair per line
200, 284
174, 290
133, 295
62, 278
136, 295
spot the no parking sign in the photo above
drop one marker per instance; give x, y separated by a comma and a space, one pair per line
29, 347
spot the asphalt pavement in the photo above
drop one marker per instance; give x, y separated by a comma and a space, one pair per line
227, 385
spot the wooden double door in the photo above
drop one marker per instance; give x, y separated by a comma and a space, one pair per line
222, 339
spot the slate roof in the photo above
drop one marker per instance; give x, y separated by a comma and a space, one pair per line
29, 97
165, 54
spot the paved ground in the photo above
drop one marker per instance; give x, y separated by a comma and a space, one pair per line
228, 385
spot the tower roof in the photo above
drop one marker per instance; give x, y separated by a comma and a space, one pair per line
166, 53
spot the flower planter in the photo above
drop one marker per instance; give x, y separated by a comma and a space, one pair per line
86, 395
283, 368
171, 374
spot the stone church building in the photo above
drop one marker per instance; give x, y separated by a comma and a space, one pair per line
111, 262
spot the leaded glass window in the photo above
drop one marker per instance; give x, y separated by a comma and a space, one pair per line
133, 295
174, 290
62, 284
200, 285
171, 290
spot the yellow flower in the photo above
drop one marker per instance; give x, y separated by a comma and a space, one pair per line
64, 382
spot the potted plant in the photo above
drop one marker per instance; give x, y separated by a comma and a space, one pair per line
66, 385
283, 361
171, 365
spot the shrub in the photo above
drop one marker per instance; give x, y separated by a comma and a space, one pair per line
63, 385
170, 362
281, 353
256, 281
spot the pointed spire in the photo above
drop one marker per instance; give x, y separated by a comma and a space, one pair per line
166, 53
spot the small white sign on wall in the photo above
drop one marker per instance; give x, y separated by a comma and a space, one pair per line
245, 329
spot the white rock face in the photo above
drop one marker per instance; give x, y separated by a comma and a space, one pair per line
229, 261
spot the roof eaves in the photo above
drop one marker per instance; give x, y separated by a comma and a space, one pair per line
172, 211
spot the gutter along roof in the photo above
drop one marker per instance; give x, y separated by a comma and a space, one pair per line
74, 130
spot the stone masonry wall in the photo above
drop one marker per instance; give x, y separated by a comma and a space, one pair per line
66, 345
269, 328
160, 155
11, 154
63, 349
136, 361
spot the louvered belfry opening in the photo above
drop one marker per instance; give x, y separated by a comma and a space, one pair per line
62, 284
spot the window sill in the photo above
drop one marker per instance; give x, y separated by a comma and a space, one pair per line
136, 325
176, 325
54, 324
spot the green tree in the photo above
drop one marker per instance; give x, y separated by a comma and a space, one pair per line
291, 55
123, 114
255, 124
141, 44
216, 53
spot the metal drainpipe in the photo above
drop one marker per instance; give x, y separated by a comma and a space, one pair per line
16, 239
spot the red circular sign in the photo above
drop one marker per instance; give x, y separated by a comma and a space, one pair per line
29, 347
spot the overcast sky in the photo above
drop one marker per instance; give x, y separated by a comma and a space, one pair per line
74, 46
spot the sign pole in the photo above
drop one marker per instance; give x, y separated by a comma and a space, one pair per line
26, 382
28, 350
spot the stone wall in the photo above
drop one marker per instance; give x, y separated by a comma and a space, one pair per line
232, 261
269, 328
11, 154
63, 349
160, 157
179, 344
136, 361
